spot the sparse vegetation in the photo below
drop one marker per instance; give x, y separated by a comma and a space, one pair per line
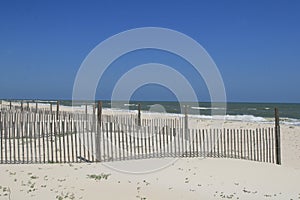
99, 177
5, 191
34, 177
65, 196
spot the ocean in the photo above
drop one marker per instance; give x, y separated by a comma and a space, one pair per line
253, 112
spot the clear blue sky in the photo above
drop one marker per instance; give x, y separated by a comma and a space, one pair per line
255, 44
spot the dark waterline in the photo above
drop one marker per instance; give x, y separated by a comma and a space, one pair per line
265, 110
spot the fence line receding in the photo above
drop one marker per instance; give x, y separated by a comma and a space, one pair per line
63, 137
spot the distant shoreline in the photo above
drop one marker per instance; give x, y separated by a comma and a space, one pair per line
248, 112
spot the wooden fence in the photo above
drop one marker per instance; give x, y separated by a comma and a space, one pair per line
62, 137
125, 142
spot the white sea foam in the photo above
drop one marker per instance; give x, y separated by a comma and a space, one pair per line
45, 101
130, 104
243, 118
290, 121
208, 108
247, 118
117, 110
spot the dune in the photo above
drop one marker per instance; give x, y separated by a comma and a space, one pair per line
186, 178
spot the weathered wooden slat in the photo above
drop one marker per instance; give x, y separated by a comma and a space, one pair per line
43, 138
272, 146
268, 137
1, 137
5, 137
14, 137
76, 131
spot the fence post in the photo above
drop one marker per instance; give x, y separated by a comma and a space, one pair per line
99, 114
98, 137
36, 107
94, 118
51, 108
139, 114
186, 122
57, 110
86, 112
10, 105
22, 106
277, 138
94, 111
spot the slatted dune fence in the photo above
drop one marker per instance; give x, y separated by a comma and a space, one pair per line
45, 137
39, 138
129, 142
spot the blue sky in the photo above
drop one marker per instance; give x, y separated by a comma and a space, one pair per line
255, 44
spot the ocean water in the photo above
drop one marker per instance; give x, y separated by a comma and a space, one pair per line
253, 112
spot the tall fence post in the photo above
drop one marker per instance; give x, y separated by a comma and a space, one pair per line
186, 122
139, 114
86, 111
94, 109
277, 138
57, 110
36, 107
50, 108
99, 113
94, 117
98, 137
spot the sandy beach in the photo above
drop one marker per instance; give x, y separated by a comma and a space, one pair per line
187, 179
184, 178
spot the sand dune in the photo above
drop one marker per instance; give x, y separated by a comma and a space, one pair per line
188, 178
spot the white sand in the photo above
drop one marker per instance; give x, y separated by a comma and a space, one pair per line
188, 178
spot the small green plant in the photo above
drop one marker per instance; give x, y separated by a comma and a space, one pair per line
65, 196
99, 177
5, 191
34, 177
59, 197
12, 173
